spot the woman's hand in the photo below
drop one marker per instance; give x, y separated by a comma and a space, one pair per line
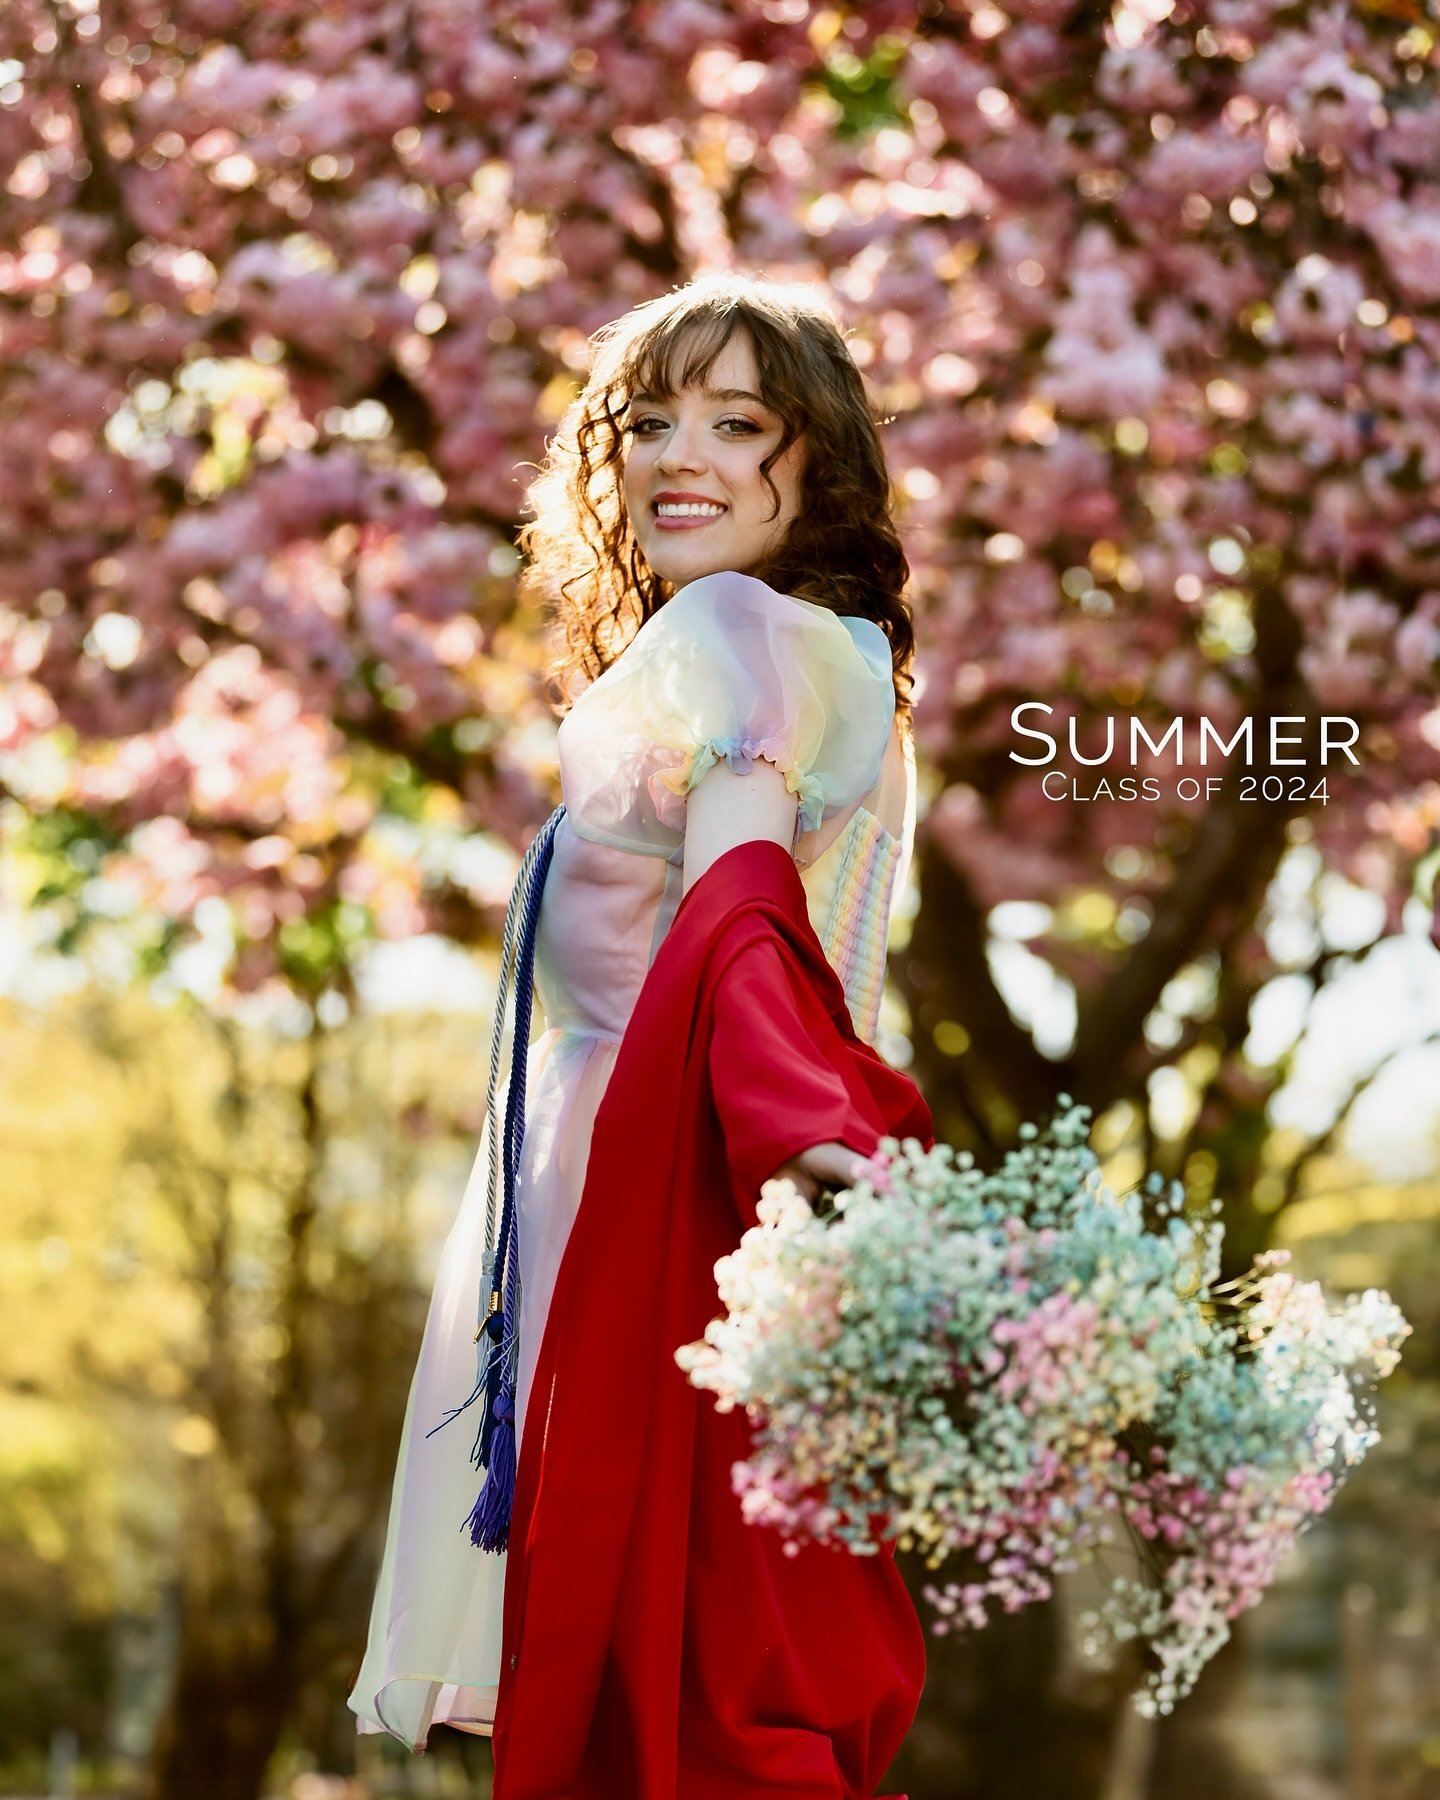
834, 1163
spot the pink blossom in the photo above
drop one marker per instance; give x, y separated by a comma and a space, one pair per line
1091, 380
951, 79
1200, 163
1142, 80
1417, 640
1318, 306
1407, 235
1032, 53
494, 76
1037, 289
1412, 140
1337, 103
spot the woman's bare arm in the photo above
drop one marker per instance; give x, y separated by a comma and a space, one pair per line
725, 809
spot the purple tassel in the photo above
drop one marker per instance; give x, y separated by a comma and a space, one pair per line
495, 1448
489, 1520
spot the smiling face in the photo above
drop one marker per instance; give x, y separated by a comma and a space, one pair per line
693, 488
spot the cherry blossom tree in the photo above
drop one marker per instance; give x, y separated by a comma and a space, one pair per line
1149, 293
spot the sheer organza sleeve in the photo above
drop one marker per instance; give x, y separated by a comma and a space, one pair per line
727, 668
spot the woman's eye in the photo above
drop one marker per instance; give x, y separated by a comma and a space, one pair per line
747, 426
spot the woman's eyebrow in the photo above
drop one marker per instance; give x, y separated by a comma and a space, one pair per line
707, 393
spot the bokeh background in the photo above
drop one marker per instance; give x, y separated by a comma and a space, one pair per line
290, 296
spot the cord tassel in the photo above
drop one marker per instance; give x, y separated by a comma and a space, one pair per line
495, 1449
493, 1387
489, 1519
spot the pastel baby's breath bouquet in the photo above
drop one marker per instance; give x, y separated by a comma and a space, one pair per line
1013, 1367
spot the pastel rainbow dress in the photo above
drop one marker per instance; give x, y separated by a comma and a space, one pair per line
727, 668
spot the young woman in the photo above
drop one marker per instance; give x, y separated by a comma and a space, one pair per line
738, 785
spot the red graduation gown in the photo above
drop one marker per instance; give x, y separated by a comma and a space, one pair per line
655, 1646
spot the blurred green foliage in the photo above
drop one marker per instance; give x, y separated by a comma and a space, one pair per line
864, 87
218, 1250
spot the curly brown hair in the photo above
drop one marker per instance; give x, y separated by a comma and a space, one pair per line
842, 549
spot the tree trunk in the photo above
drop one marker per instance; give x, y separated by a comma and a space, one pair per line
1191, 1759
226, 1713
242, 1610
994, 1723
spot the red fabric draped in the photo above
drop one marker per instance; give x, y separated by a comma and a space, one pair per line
656, 1647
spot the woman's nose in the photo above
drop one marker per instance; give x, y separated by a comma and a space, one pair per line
681, 450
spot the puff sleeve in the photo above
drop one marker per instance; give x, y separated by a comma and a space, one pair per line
728, 667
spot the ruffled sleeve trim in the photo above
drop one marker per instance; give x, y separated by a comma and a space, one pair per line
669, 787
